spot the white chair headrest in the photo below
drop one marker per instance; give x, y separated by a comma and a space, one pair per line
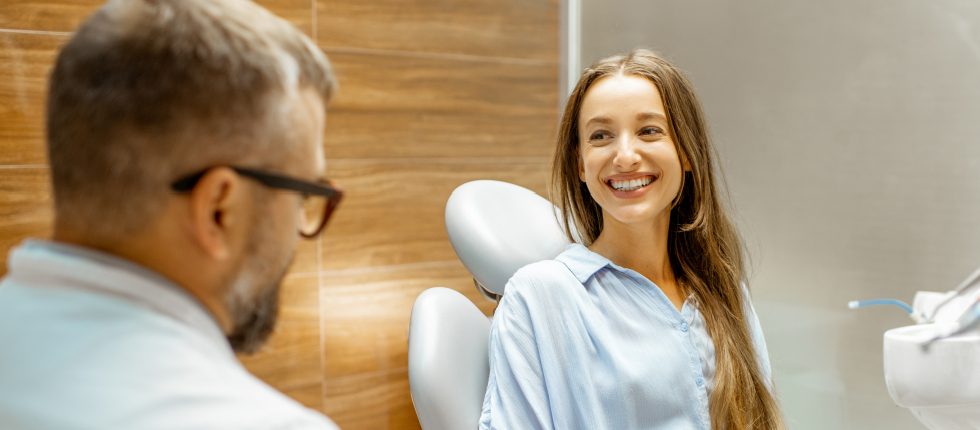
496, 228
448, 359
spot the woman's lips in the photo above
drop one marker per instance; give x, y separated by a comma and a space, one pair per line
630, 186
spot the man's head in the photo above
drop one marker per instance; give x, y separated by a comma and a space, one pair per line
149, 91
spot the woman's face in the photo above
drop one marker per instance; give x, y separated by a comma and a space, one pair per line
628, 158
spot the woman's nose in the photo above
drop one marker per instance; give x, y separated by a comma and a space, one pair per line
626, 155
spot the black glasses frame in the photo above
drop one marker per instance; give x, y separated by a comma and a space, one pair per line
275, 180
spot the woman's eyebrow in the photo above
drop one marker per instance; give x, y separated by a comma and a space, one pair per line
599, 120
643, 116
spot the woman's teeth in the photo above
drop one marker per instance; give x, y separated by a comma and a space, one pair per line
632, 184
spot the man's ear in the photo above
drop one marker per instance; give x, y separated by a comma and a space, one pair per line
215, 206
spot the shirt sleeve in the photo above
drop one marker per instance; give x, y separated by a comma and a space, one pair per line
516, 397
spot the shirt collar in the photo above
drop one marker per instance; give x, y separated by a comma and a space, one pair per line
37, 261
582, 262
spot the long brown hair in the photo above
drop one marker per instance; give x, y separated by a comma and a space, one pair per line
704, 247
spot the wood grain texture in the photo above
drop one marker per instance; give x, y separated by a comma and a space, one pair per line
290, 360
393, 211
379, 401
25, 207
298, 12
66, 15
491, 28
25, 61
45, 15
405, 106
305, 259
365, 318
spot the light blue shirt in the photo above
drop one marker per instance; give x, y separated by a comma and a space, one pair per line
581, 343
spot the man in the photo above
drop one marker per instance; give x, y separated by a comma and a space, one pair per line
184, 138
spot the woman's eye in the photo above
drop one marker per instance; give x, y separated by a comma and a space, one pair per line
600, 135
647, 131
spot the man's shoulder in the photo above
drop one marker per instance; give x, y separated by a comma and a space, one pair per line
119, 365
179, 398
256, 405
238, 407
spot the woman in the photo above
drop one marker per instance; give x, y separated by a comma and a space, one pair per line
646, 323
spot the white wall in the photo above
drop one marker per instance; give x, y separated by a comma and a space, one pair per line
849, 131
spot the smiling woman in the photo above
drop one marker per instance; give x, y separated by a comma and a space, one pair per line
630, 165
626, 151
647, 323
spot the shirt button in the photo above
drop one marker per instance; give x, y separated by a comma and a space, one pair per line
684, 327
699, 381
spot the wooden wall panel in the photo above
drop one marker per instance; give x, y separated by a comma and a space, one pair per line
408, 106
25, 207
298, 12
290, 361
45, 15
365, 316
486, 28
376, 401
306, 260
25, 61
432, 94
393, 212
66, 15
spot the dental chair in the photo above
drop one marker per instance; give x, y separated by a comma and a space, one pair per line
495, 228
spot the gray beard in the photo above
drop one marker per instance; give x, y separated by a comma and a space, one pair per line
253, 298
254, 317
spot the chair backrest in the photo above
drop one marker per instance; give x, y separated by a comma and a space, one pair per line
496, 228
448, 364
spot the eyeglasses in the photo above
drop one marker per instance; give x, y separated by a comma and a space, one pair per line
320, 199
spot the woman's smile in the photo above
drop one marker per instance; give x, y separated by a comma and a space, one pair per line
630, 186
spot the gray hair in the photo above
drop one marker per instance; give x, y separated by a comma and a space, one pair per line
148, 90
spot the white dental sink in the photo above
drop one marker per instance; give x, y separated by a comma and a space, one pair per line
940, 386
